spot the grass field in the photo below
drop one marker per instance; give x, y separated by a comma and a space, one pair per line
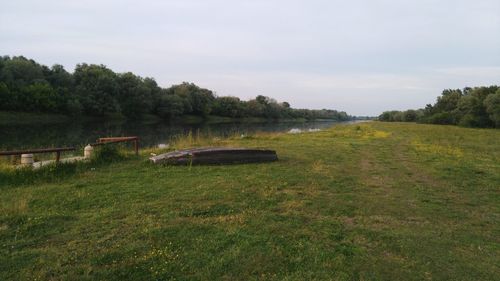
371, 201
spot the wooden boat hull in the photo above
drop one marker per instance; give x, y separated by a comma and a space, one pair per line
215, 155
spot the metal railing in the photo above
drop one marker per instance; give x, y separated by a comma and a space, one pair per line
100, 141
110, 140
38, 151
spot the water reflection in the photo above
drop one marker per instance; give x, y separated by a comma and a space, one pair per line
151, 134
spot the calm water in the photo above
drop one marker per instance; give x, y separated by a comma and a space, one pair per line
79, 134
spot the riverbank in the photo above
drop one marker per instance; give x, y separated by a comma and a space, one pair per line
27, 118
371, 201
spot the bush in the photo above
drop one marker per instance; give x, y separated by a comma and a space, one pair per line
107, 153
443, 118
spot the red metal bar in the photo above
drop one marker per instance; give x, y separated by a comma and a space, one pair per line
110, 140
117, 139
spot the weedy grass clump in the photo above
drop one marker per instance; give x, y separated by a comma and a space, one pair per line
196, 139
109, 153
14, 176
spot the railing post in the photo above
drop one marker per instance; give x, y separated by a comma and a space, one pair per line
136, 146
27, 159
58, 156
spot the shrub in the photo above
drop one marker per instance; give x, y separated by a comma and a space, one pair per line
107, 153
443, 118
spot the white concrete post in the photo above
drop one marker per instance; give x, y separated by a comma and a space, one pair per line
87, 151
27, 159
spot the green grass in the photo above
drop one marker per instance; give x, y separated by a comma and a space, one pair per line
372, 201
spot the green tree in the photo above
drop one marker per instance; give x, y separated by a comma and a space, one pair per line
255, 108
6, 98
448, 101
134, 95
97, 88
197, 100
20, 71
58, 77
169, 106
410, 115
228, 106
473, 110
39, 97
492, 105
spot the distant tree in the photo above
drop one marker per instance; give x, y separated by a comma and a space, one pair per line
196, 100
448, 101
473, 110
19, 72
410, 116
58, 77
442, 118
134, 96
255, 108
385, 116
97, 89
492, 105
6, 98
472, 107
39, 97
169, 105
273, 110
228, 106
262, 99
155, 91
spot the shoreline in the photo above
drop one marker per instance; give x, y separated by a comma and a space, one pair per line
11, 118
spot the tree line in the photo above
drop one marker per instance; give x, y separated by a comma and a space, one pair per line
470, 107
95, 90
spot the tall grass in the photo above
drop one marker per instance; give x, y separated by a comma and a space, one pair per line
194, 140
12, 174
109, 153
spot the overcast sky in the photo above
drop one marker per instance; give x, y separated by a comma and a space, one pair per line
360, 56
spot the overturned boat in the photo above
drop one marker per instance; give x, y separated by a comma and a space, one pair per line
215, 155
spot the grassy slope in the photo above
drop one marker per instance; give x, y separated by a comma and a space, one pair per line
377, 201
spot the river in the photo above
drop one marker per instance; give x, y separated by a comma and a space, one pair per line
151, 134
